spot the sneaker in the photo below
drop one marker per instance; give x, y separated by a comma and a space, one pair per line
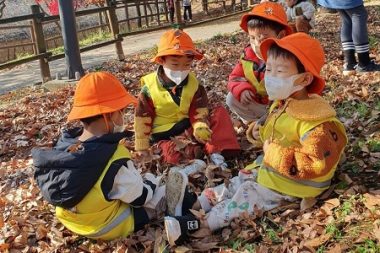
349, 69
178, 228
218, 160
370, 67
179, 199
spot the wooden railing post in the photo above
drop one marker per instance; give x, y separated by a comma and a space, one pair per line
178, 16
138, 11
166, 10
127, 15
40, 42
33, 37
146, 14
158, 12
205, 6
114, 25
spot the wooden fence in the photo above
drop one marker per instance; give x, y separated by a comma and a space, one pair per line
118, 27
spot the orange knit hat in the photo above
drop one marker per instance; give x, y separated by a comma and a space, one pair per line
176, 42
270, 11
308, 51
99, 93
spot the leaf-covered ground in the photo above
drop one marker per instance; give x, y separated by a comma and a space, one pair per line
344, 219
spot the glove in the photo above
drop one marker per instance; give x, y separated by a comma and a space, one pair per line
201, 132
250, 136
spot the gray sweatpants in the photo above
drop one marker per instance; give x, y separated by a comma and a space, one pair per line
243, 194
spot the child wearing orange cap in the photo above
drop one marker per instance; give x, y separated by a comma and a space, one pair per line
303, 142
173, 103
88, 175
247, 96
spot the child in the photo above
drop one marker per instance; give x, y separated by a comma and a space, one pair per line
187, 14
247, 96
303, 141
172, 103
171, 10
353, 35
89, 176
301, 15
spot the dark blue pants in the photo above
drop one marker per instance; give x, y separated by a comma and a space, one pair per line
354, 33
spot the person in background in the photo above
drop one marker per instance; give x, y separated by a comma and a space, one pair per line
353, 35
301, 15
187, 14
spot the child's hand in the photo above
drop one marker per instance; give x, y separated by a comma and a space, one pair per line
246, 97
253, 135
202, 132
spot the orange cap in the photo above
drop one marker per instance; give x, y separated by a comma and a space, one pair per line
270, 11
176, 42
98, 93
308, 51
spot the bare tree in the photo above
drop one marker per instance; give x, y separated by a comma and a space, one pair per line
2, 7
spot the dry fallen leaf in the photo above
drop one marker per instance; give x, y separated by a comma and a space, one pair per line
307, 203
316, 242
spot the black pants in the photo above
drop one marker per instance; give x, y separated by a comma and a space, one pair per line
187, 12
171, 13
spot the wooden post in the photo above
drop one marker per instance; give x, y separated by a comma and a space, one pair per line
205, 6
40, 42
158, 12
127, 15
114, 25
166, 10
139, 25
146, 14
33, 37
178, 16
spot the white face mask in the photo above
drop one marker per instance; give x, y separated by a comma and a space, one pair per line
279, 88
176, 76
119, 128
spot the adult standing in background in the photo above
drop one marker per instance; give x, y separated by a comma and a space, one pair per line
171, 10
353, 35
187, 14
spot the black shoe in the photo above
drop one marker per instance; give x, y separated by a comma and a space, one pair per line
349, 69
179, 227
178, 197
370, 67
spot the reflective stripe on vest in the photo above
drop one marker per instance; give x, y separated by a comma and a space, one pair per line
300, 181
168, 113
119, 219
250, 76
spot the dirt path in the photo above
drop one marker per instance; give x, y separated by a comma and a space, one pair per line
29, 74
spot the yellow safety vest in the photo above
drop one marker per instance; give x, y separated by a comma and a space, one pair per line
250, 76
288, 130
95, 217
168, 113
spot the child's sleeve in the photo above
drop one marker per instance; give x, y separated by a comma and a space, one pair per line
237, 83
308, 10
144, 116
128, 184
198, 111
319, 151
